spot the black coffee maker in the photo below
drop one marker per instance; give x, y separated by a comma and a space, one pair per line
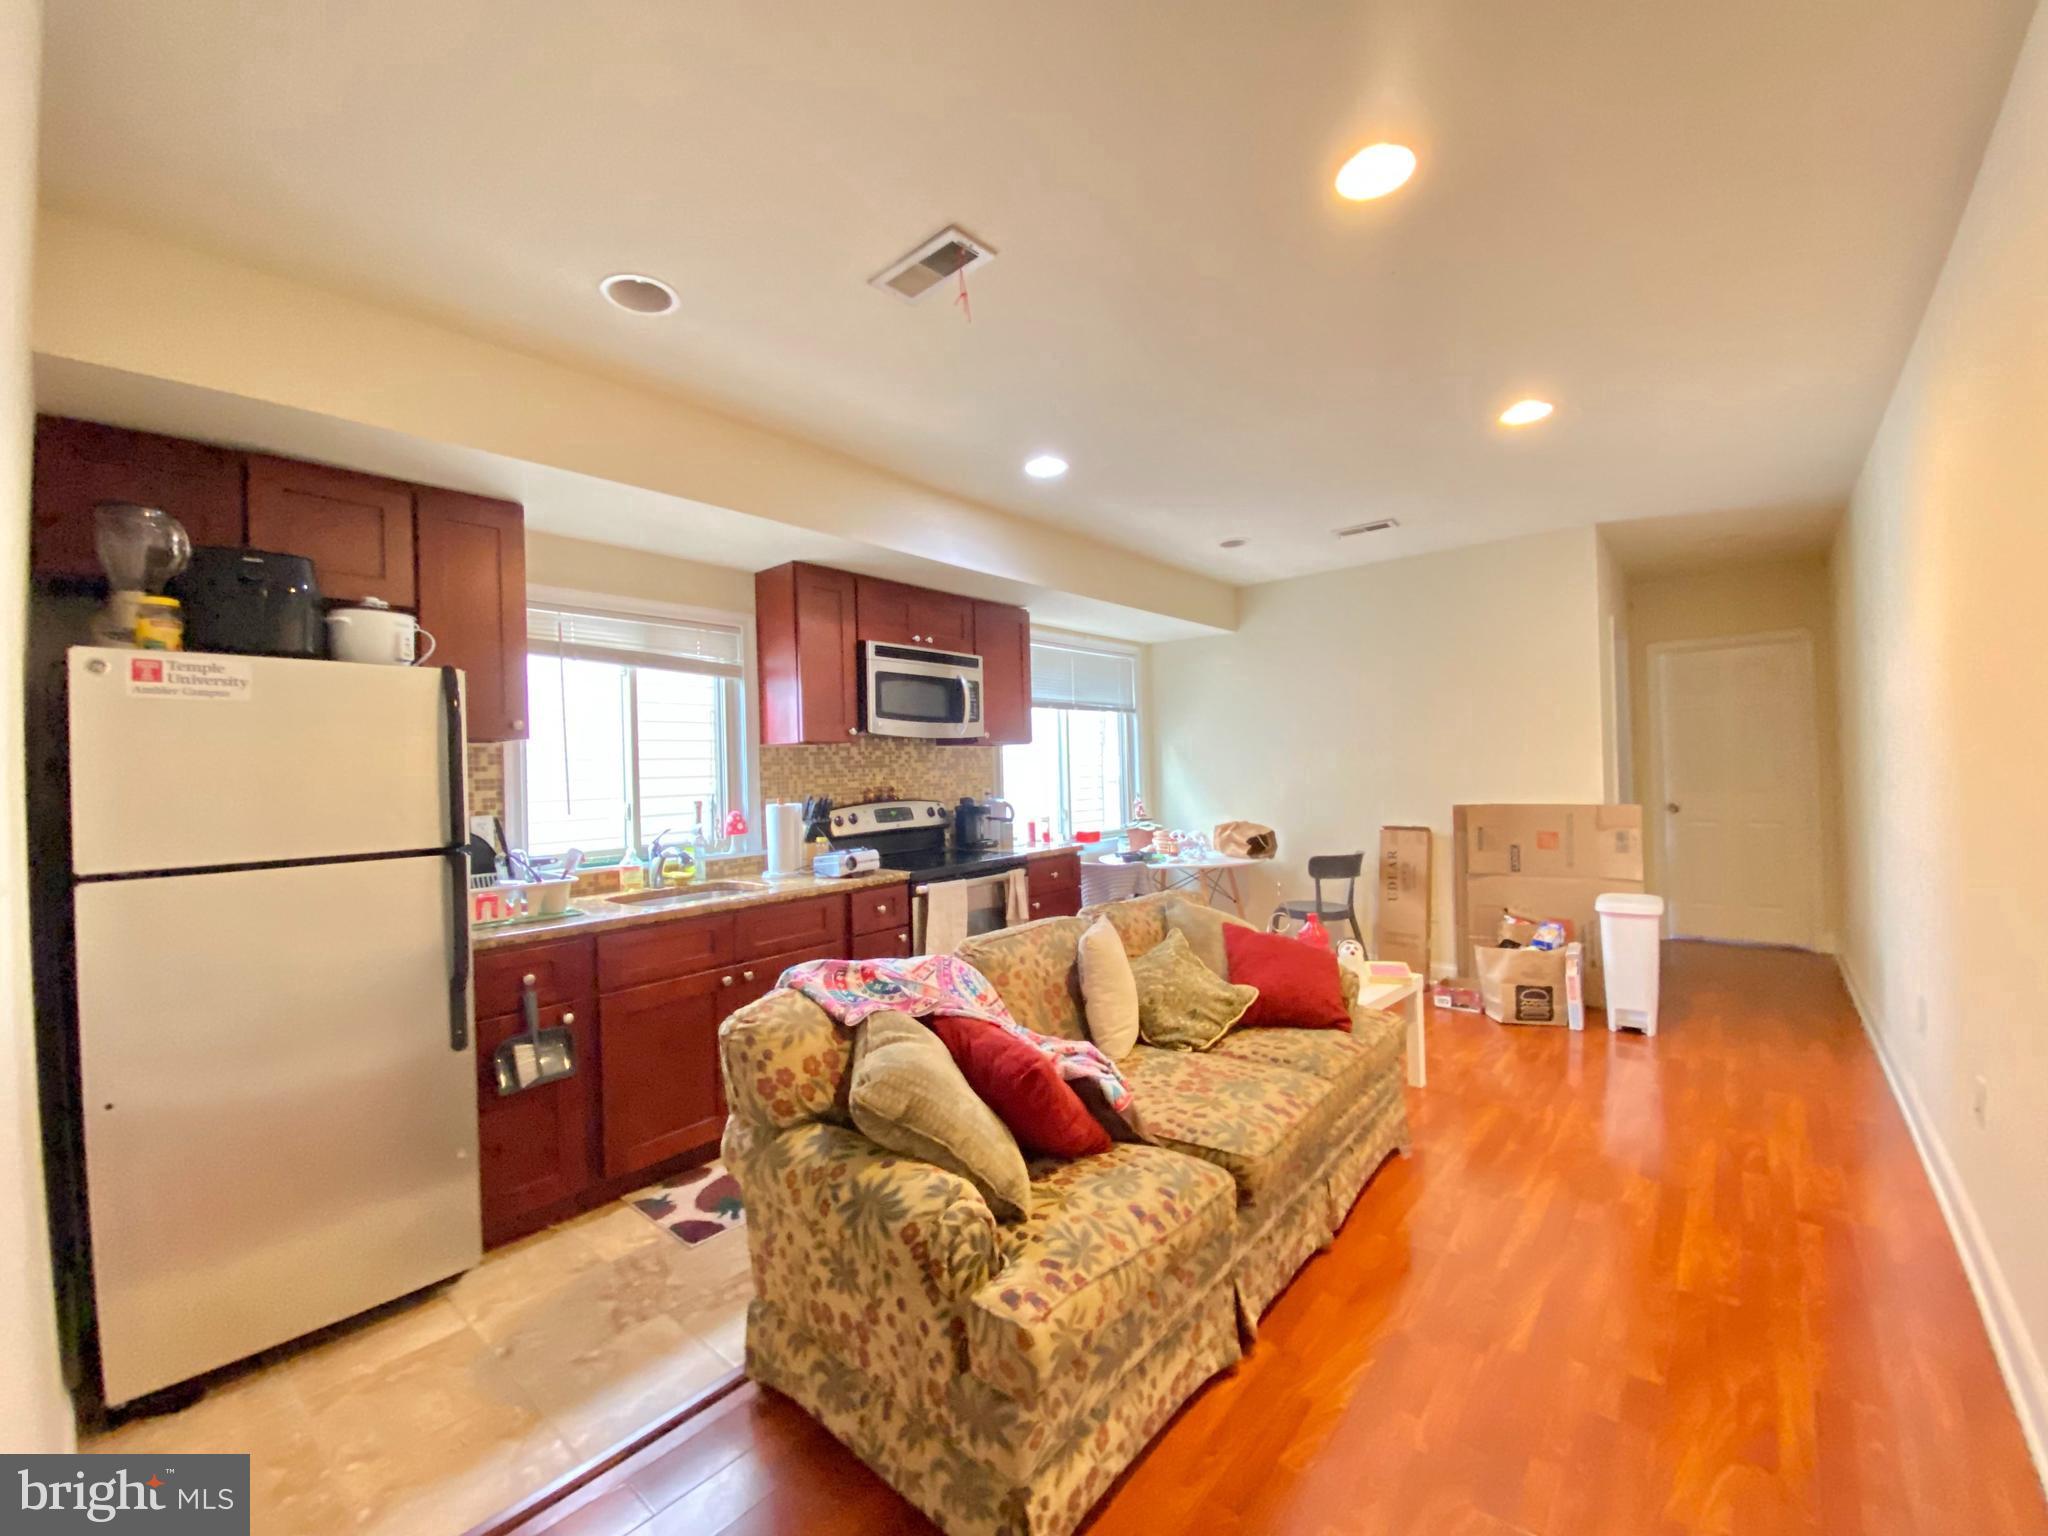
250, 602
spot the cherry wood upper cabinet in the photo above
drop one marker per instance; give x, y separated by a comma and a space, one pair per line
82, 463
1002, 638
809, 659
472, 596
356, 529
896, 614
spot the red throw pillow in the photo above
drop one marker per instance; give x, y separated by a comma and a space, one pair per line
1020, 1083
1298, 983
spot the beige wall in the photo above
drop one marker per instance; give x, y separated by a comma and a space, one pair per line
611, 571
1387, 694
117, 299
1724, 602
35, 1415
1943, 634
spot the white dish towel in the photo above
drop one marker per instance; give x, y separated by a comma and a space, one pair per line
945, 916
1018, 899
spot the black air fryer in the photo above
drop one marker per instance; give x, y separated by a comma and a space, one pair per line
251, 603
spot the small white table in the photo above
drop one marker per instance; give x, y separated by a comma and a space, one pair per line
1405, 998
1214, 875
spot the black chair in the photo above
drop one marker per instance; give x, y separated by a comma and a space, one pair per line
1332, 867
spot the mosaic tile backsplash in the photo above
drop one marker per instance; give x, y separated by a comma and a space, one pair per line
878, 767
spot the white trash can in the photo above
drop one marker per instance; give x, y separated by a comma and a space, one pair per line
1630, 927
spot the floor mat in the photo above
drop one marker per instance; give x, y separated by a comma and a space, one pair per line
701, 1204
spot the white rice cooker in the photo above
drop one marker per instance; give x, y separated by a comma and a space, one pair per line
373, 631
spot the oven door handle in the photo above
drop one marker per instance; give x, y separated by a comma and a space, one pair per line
1002, 877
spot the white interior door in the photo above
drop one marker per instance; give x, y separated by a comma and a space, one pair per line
1739, 789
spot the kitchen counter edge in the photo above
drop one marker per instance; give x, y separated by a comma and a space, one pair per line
599, 915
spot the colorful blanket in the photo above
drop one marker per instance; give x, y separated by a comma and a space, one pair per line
850, 990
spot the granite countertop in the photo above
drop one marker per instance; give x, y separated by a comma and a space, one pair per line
599, 914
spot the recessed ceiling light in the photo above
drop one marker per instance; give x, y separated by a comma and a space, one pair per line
1232, 544
1375, 171
639, 294
1045, 466
1525, 413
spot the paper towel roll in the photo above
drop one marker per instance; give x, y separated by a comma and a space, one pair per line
785, 839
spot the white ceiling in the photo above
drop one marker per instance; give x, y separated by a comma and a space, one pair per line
1706, 231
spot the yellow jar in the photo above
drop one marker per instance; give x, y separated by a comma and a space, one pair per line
159, 623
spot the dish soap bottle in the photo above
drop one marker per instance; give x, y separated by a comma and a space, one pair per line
632, 868
700, 847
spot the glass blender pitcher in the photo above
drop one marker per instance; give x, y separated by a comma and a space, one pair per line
142, 548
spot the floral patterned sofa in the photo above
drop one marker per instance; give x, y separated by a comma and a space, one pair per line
1001, 1376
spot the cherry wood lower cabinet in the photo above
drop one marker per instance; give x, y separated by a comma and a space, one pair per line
536, 1148
893, 944
647, 1003
1055, 884
663, 1094
661, 1088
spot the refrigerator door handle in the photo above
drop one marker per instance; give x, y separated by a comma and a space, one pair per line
458, 758
458, 980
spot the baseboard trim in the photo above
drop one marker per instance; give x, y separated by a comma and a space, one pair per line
2018, 1360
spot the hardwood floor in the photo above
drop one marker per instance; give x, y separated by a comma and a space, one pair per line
1690, 1284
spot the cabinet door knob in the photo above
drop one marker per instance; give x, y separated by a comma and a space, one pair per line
568, 1019
725, 981
853, 730
529, 979
518, 725
1036, 905
746, 975
881, 906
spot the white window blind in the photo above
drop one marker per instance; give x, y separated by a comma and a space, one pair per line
677, 645
1077, 677
1078, 772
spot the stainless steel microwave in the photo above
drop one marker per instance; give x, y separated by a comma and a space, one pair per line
911, 691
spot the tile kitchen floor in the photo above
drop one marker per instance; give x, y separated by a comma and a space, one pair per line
433, 1414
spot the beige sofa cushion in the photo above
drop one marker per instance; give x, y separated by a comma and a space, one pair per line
1036, 969
1109, 991
907, 1096
1268, 1126
1202, 927
1182, 1004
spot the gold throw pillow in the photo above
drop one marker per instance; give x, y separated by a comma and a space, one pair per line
1182, 1004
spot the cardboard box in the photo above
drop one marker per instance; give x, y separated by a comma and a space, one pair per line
1549, 861
1400, 928
1522, 986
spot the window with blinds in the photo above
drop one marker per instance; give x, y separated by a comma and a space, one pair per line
637, 728
1078, 773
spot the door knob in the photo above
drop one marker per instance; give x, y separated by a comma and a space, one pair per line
1671, 806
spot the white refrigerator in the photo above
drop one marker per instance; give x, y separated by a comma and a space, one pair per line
276, 1072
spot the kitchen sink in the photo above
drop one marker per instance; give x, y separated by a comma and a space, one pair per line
677, 895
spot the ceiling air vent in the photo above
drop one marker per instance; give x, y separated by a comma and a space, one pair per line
951, 250
1377, 525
